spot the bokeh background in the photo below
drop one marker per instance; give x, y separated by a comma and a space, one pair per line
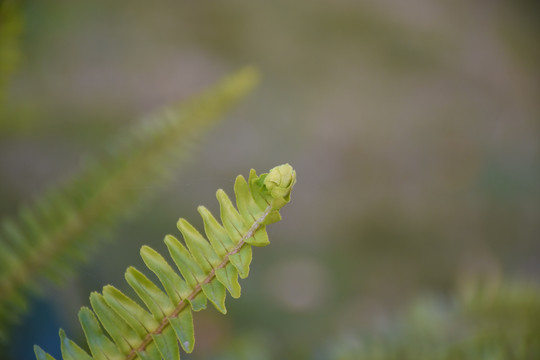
413, 127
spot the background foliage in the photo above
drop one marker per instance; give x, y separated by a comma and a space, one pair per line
413, 127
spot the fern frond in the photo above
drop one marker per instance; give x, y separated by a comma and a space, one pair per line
208, 267
48, 237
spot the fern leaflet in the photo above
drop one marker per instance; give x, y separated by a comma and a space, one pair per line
208, 267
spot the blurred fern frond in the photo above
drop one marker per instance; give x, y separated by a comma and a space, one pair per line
488, 321
208, 266
48, 238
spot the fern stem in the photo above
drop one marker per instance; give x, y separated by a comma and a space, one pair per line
183, 303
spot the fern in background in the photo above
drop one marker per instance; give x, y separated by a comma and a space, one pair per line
208, 269
485, 321
47, 238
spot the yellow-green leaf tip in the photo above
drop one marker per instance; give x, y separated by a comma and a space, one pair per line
279, 183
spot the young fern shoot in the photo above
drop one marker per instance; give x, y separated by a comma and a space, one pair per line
208, 268
50, 237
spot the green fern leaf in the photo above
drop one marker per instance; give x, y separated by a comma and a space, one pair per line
135, 333
48, 237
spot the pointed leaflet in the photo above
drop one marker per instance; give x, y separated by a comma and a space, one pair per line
175, 287
220, 240
250, 211
100, 346
231, 219
228, 276
156, 301
273, 217
198, 303
70, 350
255, 188
138, 318
42, 355
144, 355
247, 206
259, 238
199, 246
122, 334
150, 352
183, 326
167, 344
215, 291
189, 268
242, 259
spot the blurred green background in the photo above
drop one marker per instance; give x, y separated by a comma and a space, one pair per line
413, 127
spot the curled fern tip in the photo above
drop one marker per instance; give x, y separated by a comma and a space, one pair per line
279, 183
